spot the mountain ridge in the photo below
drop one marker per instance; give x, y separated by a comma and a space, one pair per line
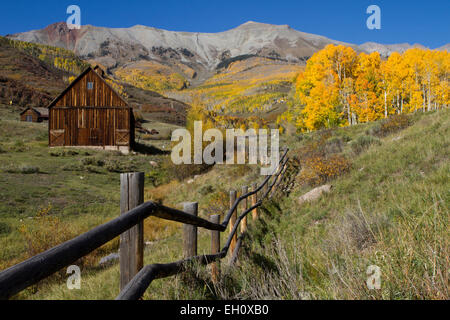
179, 59
113, 47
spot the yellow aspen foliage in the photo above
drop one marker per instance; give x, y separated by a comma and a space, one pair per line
339, 87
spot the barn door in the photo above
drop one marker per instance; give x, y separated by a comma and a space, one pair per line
83, 137
96, 137
122, 137
57, 138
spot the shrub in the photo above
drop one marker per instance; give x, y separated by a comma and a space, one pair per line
185, 171
113, 166
318, 170
19, 146
71, 152
334, 145
218, 203
390, 125
119, 167
363, 143
156, 177
92, 169
93, 162
26, 169
63, 153
72, 167
205, 190
4, 228
54, 153
44, 232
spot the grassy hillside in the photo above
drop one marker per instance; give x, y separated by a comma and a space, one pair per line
25, 80
388, 207
53, 195
153, 76
245, 86
390, 210
79, 187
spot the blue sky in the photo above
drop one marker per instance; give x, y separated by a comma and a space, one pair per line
426, 22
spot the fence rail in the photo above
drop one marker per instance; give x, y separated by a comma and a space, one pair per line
39, 267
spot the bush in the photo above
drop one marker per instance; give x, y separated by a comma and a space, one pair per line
44, 231
185, 171
390, 125
113, 166
119, 167
205, 190
5, 228
219, 203
93, 162
334, 145
26, 169
92, 169
318, 170
19, 146
72, 167
63, 153
363, 143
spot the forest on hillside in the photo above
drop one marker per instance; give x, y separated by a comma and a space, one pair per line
340, 87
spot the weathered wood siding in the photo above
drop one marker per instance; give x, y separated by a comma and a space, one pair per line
92, 126
100, 96
95, 116
30, 112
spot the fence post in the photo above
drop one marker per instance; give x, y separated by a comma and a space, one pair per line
233, 219
131, 252
266, 190
244, 208
215, 248
190, 232
254, 201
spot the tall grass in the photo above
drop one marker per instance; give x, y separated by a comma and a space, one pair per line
391, 211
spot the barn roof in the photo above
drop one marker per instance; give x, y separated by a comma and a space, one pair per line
78, 79
42, 111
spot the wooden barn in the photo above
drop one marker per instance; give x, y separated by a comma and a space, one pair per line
34, 114
89, 113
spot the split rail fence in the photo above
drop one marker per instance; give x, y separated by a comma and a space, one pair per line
135, 278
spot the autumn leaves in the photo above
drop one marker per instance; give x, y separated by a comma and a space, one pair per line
340, 87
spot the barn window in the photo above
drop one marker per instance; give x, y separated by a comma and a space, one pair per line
29, 118
90, 85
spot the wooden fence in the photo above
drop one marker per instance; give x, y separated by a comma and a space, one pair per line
134, 277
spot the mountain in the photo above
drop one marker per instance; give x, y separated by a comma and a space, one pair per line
191, 54
25, 80
30, 78
194, 56
386, 50
248, 67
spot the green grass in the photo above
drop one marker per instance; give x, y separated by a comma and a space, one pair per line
390, 210
82, 193
82, 186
